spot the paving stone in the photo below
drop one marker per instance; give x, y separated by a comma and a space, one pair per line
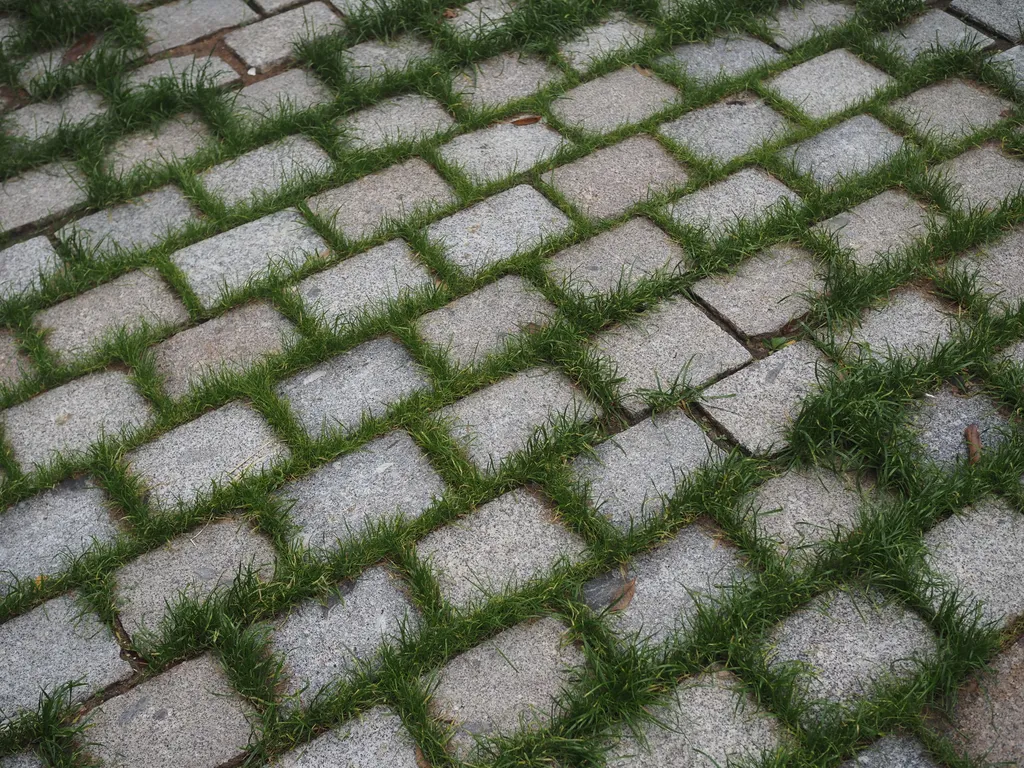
1006, 17
479, 18
766, 292
828, 84
292, 91
387, 477
728, 56
506, 684
134, 301
1012, 63
617, 35
359, 208
372, 738
609, 181
848, 641
997, 269
895, 750
189, 71
501, 150
137, 225
505, 78
266, 170
749, 195
38, 67
233, 342
40, 194
631, 474
15, 365
911, 322
361, 383
952, 110
322, 643
54, 644
65, 421
498, 549
757, 404
941, 418
21, 760
666, 584
795, 25
220, 447
982, 178
618, 258
41, 533
932, 32
482, 323
44, 118
22, 265
190, 715
379, 58
194, 565
353, 7
498, 228
495, 423
184, 21
857, 146
230, 260
672, 343
170, 142
406, 118
620, 98
271, 42
885, 224
710, 721
728, 129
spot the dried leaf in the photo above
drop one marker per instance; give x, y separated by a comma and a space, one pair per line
973, 437
624, 596
642, 70
79, 49
528, 120
421, 759
451, 13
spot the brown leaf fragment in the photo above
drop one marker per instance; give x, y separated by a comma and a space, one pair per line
451, 13
624, 596
642, 70
973, 438
79, 49
421, 759
528, 120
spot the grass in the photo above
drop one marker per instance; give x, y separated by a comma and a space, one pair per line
855, 423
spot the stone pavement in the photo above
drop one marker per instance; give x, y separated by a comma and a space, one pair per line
527, 382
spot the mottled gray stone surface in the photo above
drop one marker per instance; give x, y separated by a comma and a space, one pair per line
940, 418
617, 35
982, 178
795, 25
270, 42
22, 760
43, 118
895, 751
1012, 63
632, 473
21, 266
748, 195
728, 129
361, 383
505, 78
172, 141
952, 110
998, 270
609, 181
218, 448
857, 146
495, 423
932, 32
378, 58
912, 322
183, 21
1006, 17
188, 71
407, 118
727, 56
620, 98
294, 90
501, 150
67, 420
498, 549
15, 365
372, 738
33, 71
479, 18
189, 715
498, 228
829, 84
40, 194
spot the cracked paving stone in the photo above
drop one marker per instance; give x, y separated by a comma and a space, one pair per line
795, 25
374, 59
617, 36
290, 92
407, 118
981, 178
376, 737
997, 270
39, 195
173, 141
829, 84
479, 18
897, 750
1005, 17
728, 129
502, 150
271, 42
724, 57
189, 71
952, 110
503, 79
911, 322
23, 265
36, 121
623, 97
931, 33
185, 21
15, 365
940, 418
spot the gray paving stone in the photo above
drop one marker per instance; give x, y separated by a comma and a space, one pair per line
621, 98
271, 42
67, 420
374, 59
749, 195
982, 178
728, 56
795, 25
502, 149
387, 477
22, 760
36, 121
997, 269
710, 721
15, 365
134, 301
506, 684
952, 110
484, 322
173, 141
939, 421
36, 68
185, 21
353, 7
1012, 63
188, 71
194, 565
757, 404
498, 228
40, 194
856, 146
847, 642
728, 129
829, 84
361, 383
505, 78
189, 714
631, 474
932, 32
479, 18
894, 750
230, 343
22, 265
266, 170
497, 422
54, 644
766, 292
498, 549
41, 533
406, 118
885, 224
228, 261
618, 258
617, 35
360, 207
1006, 17
371, 738
292, 91
672, 343
138, 224
609, 181
218, 448
322, 644
911, 322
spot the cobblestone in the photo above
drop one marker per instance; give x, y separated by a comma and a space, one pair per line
931, 33
173, 141
15, 365
911, 322
503, 79
829, 84
375, 737
408, 118
1012, 63
40, 120
981, 178
997, 270
951, 110
749, 195
617, 35
480, 18
857, 146
270, 42
940, 419
22, 266
22, 760
39, 195
292, 91
621, 98
723, 57
189, 71
901, 750
1005, 18
728, 129
184, 21
795, 25
503, 149
374, 59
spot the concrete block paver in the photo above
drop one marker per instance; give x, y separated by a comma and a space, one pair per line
1011, 62
952, 110
940, 418
749, 195
616, 35
270, 42
40, 194
501, 150
190, 71
911, 322
997, 270
723, 57
621, 98
857, 146
375, 737
378, 58
294, 90
22, 266
479, 18
829, 84
795, 25
172, 141
896, 749
503, 79
22, 760
1005, 17
932, 32
43, 118
406, 118
15, 365
728, 129
184, 21
981, 178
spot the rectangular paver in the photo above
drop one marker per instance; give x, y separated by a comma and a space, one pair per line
911, 322
503, 79
375, 735
728, 129
501, 150
172, 141
621, 98
617, 35
931, 33
270, 42
40, 194
829, 84
374, 59
292, 91
188, 71
855, 147
184, 21
728, 56
44, 118
796, 24
400, 119
750, 195
982, 178
952, 110
938, 422
23, 265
